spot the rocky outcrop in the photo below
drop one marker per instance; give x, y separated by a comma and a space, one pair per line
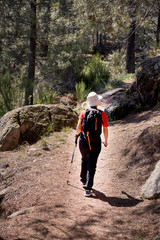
144, 91
151, 189
30, 122
122, 104
148, 81
118, 110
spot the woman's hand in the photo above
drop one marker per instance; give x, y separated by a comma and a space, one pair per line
105, 133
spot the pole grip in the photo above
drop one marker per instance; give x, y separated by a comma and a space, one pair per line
76, 139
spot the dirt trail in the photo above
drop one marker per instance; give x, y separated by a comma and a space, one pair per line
62, 212
114, 212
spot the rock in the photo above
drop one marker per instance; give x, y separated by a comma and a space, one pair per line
4, 165
151, 188
1, 178
118, 110
112, 111
133, 88
144, 92
112, 92
55, 100
28, 123
27, 210
68, 100
157, 237
2, 193
148, 75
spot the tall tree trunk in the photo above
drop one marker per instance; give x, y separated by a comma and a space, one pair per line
105, 39
46, 18
62, 7
130, 58
158, 30
97, 38
100, 39
32, 56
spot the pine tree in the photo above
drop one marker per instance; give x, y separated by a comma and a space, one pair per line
130, 58
32, 56
158, 29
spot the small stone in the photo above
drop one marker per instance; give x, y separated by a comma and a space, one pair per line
21, 212
2, 193
158, 237
4, 165
1, 178
32, 149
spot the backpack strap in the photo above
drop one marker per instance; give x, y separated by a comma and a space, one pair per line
89, 143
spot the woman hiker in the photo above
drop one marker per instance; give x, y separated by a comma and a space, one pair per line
89, 127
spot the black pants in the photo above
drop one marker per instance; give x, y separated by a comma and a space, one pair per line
89, 160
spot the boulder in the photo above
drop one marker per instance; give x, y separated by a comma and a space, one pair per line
151, 188
148, 81
28, 123
133, 88
120, 109
114, 111
122, 102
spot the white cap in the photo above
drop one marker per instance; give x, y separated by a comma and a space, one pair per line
93, 99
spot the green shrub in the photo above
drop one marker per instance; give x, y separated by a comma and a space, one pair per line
119, 80
125, 77
11, 92
44, 94
51, 127
81, 91
44, 144
95, 74
66, 129
114, 83
116, 63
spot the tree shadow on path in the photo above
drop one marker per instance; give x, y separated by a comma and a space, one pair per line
116, 201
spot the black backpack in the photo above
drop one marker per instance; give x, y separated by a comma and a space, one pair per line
92, 124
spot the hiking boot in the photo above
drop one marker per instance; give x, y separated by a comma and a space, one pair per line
83, 184
88, 193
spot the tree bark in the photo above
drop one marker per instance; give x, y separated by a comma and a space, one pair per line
32, 56
97, 38
46, 18
158, 30
130, 58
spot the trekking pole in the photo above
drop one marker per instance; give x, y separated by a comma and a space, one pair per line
76, 139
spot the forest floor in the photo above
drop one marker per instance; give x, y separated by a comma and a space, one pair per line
36, 180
